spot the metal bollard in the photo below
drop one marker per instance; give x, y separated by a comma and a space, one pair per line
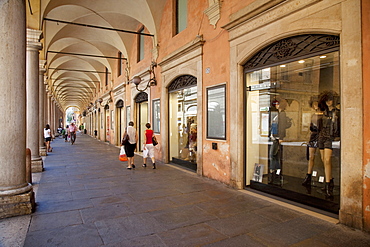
28, 166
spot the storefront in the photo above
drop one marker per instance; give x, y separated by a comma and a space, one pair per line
183, 121
141, 101
120, 116
293, 120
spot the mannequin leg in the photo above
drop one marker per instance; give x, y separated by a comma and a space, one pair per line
307, 180
327, 164
311, 160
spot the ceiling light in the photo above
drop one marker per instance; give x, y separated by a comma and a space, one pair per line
301, 61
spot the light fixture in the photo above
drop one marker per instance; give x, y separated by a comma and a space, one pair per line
301, 61
152, 81
282, 66
323, 56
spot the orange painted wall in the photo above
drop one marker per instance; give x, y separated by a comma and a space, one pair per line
366, 85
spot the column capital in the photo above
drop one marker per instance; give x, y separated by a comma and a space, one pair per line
33, 39
42, 68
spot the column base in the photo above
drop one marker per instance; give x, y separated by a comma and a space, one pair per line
16, 205
43, 151
37, 165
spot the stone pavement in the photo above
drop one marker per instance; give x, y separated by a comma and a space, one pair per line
87, 197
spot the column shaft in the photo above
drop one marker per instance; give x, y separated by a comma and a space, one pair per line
32, 89
16, 195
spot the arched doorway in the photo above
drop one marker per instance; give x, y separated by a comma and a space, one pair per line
141, 101
183, 121
120, 116
287, 120
107, 123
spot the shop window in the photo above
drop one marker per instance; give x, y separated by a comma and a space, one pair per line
216, 115
156, 116
183, 122
293, 121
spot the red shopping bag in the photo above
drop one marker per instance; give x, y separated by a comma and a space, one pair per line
122, 154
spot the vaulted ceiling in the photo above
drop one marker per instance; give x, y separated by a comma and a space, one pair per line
81, 38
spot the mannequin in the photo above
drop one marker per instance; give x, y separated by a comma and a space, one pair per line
313, 142
277, 135
329, 130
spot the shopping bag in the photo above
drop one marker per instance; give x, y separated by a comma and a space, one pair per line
122, 154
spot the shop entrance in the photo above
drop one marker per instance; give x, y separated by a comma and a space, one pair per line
120, 120
293, 120
183, 121
141, 101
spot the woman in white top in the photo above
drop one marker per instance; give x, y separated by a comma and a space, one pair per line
131, 145
47, 136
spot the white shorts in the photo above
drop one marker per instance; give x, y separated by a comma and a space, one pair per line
149, 152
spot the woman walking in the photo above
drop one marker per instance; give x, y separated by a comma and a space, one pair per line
148, 145
47, 136
131, 145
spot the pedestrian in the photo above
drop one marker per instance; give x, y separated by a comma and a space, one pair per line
66, 134
47, 136
130, 147
72, 131
148, 148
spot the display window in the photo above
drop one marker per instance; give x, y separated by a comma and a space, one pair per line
293, 129
183, 126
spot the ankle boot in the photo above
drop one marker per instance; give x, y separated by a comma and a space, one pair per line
154, 167
329, 187
307, 180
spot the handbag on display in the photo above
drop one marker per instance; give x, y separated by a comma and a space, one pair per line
154, 140
122, 154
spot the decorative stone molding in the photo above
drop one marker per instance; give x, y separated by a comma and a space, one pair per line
263, 12
213, 12
187, 52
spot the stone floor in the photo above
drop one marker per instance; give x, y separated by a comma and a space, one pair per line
87, 197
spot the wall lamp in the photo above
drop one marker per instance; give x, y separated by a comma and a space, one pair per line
100, 100
152, 81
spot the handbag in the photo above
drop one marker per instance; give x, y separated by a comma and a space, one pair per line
122, 154
125, 138
154, 140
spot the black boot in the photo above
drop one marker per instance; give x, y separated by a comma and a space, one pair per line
329, 187
154, 167
307, 180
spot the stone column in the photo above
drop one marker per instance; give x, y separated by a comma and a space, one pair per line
16, 195
48, 107
42, 107
32, 91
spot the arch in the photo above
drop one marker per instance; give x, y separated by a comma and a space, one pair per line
141, 97
119, 104
182, 82
291, 48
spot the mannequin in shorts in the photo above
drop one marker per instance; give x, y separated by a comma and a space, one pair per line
313, 142
329, 131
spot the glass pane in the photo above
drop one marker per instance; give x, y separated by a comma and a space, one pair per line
183, 124
156, 116
182, 15
216, 125
293, 123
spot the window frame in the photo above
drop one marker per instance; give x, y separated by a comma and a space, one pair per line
208, 90
156, 129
